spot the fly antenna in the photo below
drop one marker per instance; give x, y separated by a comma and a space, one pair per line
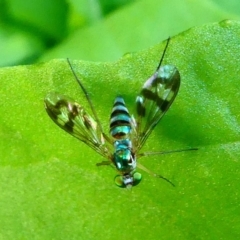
86, 95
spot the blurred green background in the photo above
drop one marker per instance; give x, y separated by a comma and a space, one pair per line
32, 31
50, 187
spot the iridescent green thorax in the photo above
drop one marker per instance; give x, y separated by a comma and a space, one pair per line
124, 159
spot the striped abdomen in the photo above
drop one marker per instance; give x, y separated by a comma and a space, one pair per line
120, 121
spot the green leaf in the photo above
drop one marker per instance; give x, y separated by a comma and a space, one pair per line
18, 46
138, 25
50, 186
45, 19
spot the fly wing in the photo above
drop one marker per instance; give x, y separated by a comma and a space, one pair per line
72, 117
156, 96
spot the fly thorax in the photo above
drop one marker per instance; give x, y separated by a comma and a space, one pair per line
124, 159
120, 120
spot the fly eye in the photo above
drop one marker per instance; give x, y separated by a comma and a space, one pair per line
119, 181
137, 177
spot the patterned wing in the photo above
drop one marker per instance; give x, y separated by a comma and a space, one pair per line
71, 117
156, 96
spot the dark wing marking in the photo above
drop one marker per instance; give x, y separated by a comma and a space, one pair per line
156, 96
71, 117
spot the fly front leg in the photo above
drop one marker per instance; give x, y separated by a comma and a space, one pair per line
103, 163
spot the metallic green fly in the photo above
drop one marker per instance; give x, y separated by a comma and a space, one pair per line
127, 134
